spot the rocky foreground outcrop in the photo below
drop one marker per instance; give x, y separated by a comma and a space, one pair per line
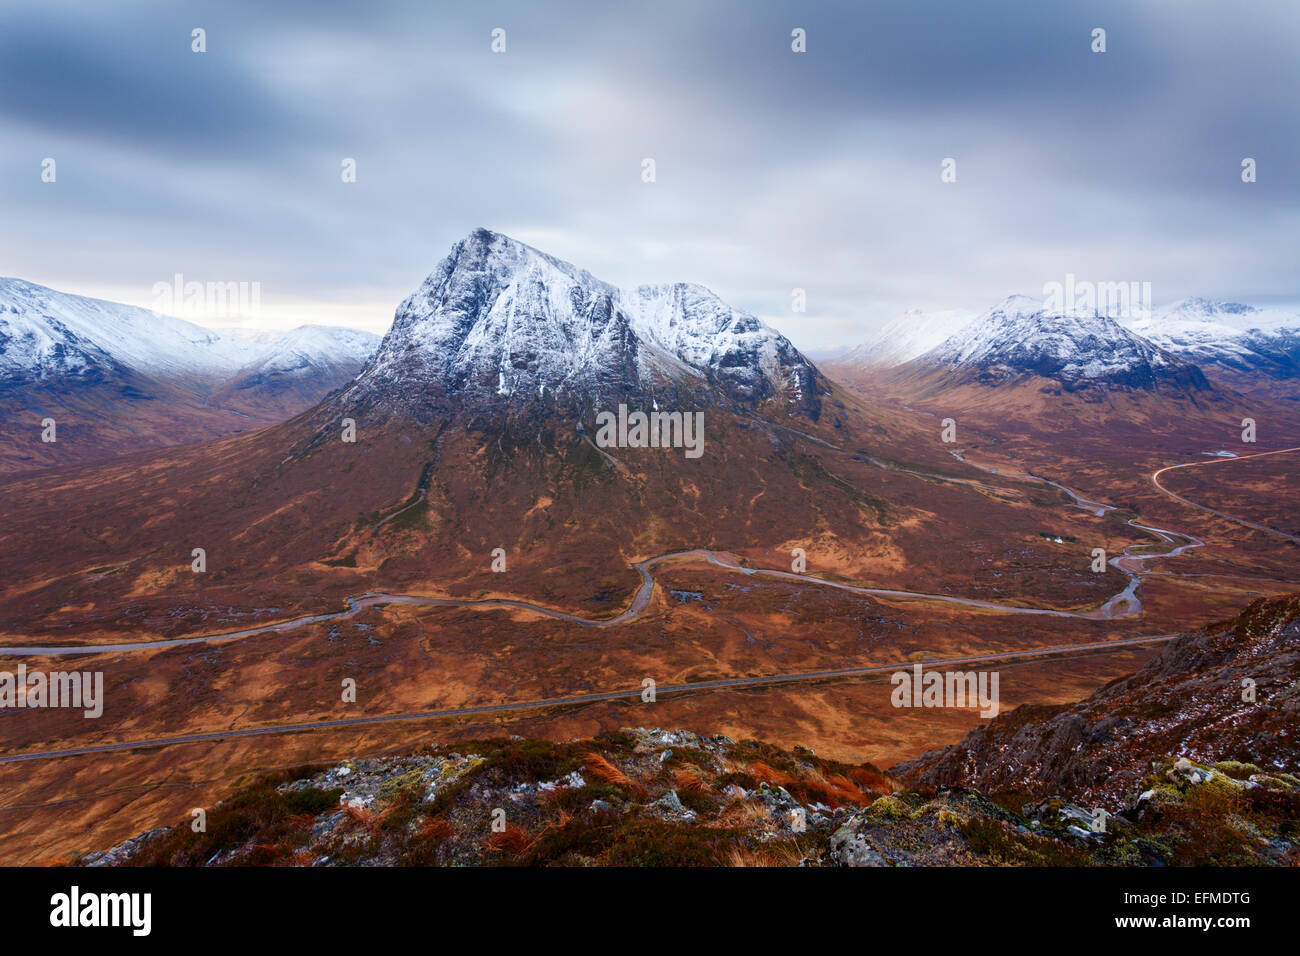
1227, 693
643, 797
1230, 814
672, 798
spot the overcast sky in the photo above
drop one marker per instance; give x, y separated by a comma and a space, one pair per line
775, 169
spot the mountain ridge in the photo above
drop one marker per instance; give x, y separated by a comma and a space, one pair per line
1228, 336
1019, 337
118, 378
499, 320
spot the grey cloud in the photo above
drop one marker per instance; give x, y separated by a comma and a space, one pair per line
775, 170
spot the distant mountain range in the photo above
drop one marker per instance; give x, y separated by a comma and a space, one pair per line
472, 428
502, 327
1020, 337
48, 336
907, 337
118, 378
1228, 336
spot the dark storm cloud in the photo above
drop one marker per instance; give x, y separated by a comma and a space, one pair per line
775, 170
133, 80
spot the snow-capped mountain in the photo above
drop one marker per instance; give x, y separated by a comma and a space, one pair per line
314, 349
1018, 338
499, 321
309, 361
907, 337
251, 333
119, 379
47, 335
1227, 334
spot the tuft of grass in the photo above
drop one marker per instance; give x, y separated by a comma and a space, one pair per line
512, 841
785, 853
361, 816
606, 771
689, 781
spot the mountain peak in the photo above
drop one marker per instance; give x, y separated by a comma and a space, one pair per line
498, 320
48, 335
1019, 337
1018, 304
906, 337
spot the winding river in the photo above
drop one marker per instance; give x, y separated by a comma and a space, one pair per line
1124, 604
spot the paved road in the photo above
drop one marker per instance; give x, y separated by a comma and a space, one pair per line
1155, 480
551, 702
1124, 604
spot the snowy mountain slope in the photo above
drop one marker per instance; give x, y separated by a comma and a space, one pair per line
251, 334
119, 379
1227, 334
45, 334
301, 366
692, 324
1236, 316
32, 351
500, 320
907, 337
314, 348
1018, 337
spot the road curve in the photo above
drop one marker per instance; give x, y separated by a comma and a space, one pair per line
1155, 480
1124, 604
551, 702
355, 605
1129, 562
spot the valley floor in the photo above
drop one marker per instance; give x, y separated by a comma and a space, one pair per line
735, 645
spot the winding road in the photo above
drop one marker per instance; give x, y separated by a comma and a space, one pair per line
1155, 480
1125, 604
1110, 610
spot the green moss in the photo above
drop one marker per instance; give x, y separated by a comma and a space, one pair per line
405, 788
1002, 844
889, 808
1279, 781
1235, 769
